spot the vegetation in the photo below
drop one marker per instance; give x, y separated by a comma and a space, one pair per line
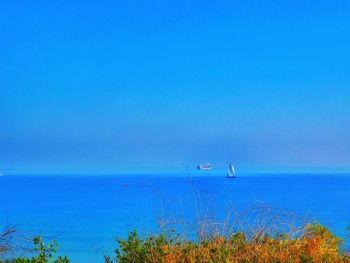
42, 253
256, 235
316, 244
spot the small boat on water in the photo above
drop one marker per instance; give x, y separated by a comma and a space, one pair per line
206, 166
231, 171
2, 171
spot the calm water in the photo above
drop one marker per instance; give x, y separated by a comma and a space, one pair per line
85, 214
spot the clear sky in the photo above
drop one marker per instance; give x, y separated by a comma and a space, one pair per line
110, 85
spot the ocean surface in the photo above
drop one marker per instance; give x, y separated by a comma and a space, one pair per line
85, 214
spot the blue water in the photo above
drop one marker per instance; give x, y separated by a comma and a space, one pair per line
85, 214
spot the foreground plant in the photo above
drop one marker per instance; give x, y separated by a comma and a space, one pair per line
43, 254
316, 244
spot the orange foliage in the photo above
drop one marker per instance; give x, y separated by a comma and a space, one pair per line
317, 244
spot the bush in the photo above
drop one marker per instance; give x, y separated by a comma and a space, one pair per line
43, 254
316, 244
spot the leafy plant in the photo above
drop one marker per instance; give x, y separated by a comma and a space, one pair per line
316, 244
43, 254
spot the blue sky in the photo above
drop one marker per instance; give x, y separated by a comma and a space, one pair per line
89, 86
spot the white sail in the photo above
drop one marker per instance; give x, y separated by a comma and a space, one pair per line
231, 171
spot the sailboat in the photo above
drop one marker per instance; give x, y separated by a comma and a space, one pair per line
231, 171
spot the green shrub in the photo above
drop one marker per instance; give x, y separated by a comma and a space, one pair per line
43, 254
316, 244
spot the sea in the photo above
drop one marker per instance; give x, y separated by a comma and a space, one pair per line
87, 214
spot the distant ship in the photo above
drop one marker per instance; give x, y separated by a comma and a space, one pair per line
206, 166
231, 171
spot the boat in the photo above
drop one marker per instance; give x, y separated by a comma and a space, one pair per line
206, 166
2, 171
231, 171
